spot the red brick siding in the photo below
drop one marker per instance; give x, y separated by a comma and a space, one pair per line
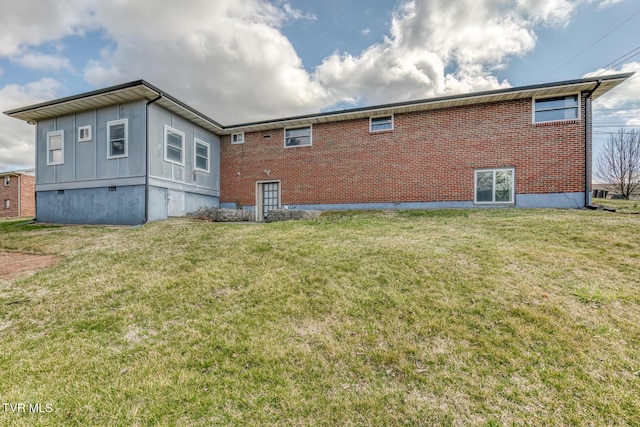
10, 192
429, 156
28, 196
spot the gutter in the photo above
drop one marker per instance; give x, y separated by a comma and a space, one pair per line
146, 155
587, 140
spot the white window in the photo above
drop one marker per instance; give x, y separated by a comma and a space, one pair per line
297, 137
494, 186
237, 138
55, 148
7, 203
7, 181
201, 160
556, 109
84, 133
377, 124
173, 145
117, 139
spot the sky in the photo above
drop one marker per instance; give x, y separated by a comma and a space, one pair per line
246, 60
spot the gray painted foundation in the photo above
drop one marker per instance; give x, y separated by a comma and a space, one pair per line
551, 200
125, 205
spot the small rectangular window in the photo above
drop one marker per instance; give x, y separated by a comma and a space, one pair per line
556, 109
112, 188
7, 204
173, 145
494, 186
237, 138
60, 191
201, 160
55, 148
297, 137
7, 181
117, 139
377, 124
84, 133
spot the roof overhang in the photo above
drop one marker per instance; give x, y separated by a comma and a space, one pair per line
569, 87
120, 94
140, 89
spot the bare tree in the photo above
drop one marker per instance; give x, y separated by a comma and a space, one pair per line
618, 164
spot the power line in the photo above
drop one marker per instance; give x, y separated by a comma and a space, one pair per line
592, 44
620, 60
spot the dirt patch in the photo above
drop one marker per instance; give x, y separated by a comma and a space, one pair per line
15, 264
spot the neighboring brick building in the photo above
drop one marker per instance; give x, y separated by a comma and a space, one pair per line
17, 194
522, 147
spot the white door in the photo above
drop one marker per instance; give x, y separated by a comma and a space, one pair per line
175, 203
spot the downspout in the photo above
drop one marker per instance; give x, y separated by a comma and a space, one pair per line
587, 140
148, 167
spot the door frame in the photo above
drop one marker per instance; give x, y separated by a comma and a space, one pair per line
259, 184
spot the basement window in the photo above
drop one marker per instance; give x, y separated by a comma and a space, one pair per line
7, 203
7, 181
55, 148
84, 133
377, 124
201, 160
494, 186
556, 109
173, 145
117, 140
297, 137
237, 138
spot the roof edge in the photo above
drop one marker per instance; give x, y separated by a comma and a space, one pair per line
619, 76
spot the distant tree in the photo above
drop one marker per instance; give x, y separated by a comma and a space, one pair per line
618, 164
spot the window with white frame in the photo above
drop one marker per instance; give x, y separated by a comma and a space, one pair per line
556, 109
117, 139
55, 148
7, 181
297, 137
494, 186
377, 124
7, 203
237, 138
84, 133
173, 145
201, 152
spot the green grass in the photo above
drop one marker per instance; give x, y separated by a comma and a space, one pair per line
456, 317
621, 206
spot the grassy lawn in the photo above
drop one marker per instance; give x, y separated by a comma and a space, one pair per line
621, 206
475, 317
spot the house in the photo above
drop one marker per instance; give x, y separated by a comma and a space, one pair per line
132, 153
17, 194
123, 155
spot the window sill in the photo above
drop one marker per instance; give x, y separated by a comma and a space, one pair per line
557, 123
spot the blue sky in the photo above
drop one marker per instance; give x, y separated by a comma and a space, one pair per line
245, 60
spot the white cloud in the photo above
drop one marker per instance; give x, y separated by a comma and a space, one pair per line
28, 23
17, 137
626, 94
441, 47
607, 3
230, 60
42, 62
226, 58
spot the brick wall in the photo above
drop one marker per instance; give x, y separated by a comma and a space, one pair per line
28, 196
429, 156
10, 192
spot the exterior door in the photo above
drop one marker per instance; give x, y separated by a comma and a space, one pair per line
269, 198
175, 203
